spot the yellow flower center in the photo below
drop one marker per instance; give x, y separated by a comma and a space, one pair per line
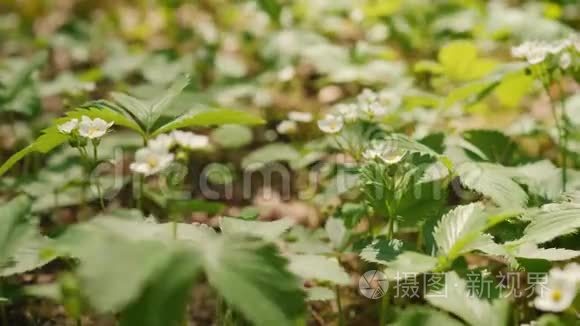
152, 161
93, 130
556, 295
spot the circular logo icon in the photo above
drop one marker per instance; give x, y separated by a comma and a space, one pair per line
373, 284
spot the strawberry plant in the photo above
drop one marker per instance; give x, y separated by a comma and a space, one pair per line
296, 162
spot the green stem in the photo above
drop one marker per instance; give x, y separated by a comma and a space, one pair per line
561, 128
390, 229
561, 123
140, 192
174, 229
339, 305
55, 193
384, 307
385, 300
97, 183
84, 163
218, 310
563, 138
3, 315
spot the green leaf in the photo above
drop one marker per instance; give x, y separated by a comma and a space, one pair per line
162, 104
422, 201
251, 276
268, 154
272, 8
18, 89
17, 79
352, 213
382, 251
553, 320
211, 117
319, 268
409, 262
404, 143
144, 114
15, 158
550, 222
29, 253
496, 146
427, 66
460, 61
458, 301
232, 136
13, 219
491, 181
20, 241
468, 93
122, 260
306, 241
164, 301
457, 224
336, 231
382, 8
49, 139
531, 251
26, 101
513, 88
541, 178
462, 229
420, 316
265, 230
113, 280
133, 107
435, 141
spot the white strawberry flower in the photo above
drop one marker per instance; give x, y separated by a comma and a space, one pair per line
536, 55
370, 105
374, 109
349, 112
287, 127
331, 124
68, 127
371, 154
572, 271
393, 156
576, 43
385, 153
557, 294
300, 116
521, 50
533, 51
150, 161
189, 140
367, 96
162, 142
557, 46
93, 128
390, 98
565, 60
